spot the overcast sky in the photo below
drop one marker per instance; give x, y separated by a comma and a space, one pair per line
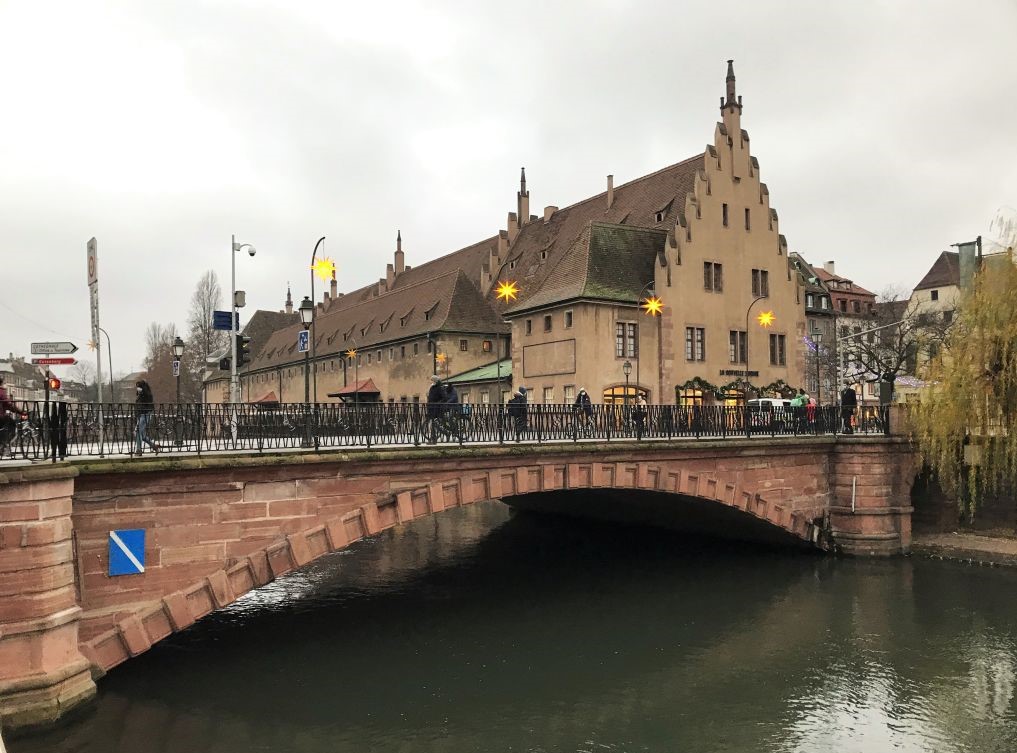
885, 131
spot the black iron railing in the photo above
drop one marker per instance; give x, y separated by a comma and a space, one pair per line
51, 430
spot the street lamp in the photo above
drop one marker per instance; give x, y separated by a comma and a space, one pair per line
178, 350
306, 318
626, 370
314, 270
817, 338
652, 306
251, 251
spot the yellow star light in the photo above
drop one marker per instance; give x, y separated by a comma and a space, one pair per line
507, 291
765, 319
91, 344
351, 352
653, 306
324, 268
440, 358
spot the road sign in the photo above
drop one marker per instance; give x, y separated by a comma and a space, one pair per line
176, 368
93, 263
127, 551
55, 348
221, 320
57, 361
303, 341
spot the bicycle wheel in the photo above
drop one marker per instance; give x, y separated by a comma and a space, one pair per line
28, 446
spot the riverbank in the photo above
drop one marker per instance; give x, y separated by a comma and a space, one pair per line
996, 547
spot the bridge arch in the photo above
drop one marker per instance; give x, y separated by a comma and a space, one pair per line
138, 631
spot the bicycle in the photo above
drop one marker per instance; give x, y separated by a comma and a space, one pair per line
26, 439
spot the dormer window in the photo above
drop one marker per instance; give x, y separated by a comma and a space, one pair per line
543, 255
430, 312
659, 217
512, 265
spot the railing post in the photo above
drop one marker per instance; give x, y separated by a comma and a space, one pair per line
607, 415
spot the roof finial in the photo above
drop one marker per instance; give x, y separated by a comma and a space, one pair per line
731, 99
399, 240
522, 181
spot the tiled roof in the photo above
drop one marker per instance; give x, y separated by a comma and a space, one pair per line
606, 262
364, 386
448, 302
944, 272
826, 277
808, 273
540, 246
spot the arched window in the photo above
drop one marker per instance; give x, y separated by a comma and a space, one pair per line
616, 395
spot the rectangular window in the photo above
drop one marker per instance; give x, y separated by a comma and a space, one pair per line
947, 317
724, 214
416, 348
464, 397
464, 345
568, 320
379, 356
748, 223
713, 276
619, 340
547, 323
486, 346
778, 350
737, 346
856, 306
843, 304
368, 357
935, 295
824, 302
761, 283
529, 326
548, 395
485, 398
570, 394
695, 344
402, 351
631, 348
625, 340
810, 300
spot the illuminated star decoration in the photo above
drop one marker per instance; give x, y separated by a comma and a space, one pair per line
765, 319
440, 358
91, 344
351, 352
507, 291
324, 268
653, 305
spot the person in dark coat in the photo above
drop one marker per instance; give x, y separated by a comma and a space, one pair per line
436, 397
517, 410
848, 405
7, 423
144, 406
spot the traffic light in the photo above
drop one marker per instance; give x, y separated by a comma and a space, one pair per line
243, 350
53, 383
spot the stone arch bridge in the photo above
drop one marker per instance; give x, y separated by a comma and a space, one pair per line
218, 527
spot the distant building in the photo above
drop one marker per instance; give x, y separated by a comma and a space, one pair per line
26, 381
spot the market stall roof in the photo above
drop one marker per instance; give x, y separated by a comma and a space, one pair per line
363, 387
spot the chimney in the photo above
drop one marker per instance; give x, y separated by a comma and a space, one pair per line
333, 286
828, 266
548, 211
610, 191
400, 257
522, 200
389, 276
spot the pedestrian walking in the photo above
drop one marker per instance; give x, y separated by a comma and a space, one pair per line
810, 413
582, 410
436, 396
639, 416
798, 410
848, 405
517, 411
144, 406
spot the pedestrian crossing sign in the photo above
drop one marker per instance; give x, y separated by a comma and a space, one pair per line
127, 551
303, 341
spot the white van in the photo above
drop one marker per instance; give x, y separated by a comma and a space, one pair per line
770, 414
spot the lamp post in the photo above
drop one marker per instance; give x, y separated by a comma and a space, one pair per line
626, 370
178, 350
817, 338
109, 353
652, 306
306, 318
314, 316
235, 248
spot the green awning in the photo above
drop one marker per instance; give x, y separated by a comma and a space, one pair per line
488, 373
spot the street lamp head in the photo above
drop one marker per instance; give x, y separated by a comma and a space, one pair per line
627, 368
306, 311
178, 347
817, 337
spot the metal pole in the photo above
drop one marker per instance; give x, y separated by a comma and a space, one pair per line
748, 428
109, 355
233, 319
314, 315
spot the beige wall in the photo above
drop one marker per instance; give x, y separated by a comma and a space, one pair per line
584, 354
729, 178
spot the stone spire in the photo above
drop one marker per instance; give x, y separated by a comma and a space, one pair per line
731, 100
289, 300
400, 257
522, 201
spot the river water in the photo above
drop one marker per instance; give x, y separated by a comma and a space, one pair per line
478, 630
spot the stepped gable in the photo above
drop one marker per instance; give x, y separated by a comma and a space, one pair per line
654, 201
450, 301
607, 262
945, 272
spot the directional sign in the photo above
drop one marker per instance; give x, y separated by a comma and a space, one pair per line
221, 320
176, 368
57, 348
61, 361
127, 551
303, 341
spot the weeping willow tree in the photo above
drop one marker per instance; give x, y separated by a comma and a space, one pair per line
966, 422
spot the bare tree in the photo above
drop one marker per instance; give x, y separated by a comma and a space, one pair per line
206, 299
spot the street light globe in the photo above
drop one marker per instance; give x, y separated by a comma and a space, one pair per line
626, 368
178, 347
306, 311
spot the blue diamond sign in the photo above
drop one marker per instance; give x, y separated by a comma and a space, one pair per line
127, 551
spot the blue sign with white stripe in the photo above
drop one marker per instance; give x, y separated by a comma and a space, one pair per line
127, 551
303, 341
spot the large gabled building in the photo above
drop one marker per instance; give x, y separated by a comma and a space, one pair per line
699, 236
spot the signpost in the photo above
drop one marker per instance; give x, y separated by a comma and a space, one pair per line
93, 297
59, 361
55, 348
221, 320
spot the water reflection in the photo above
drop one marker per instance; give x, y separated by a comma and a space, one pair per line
476, 631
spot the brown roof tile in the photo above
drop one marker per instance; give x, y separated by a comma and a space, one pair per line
944, 272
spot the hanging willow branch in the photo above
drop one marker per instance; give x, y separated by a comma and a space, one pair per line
965, 423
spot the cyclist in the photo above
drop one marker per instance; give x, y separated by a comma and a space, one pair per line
7, 423
436, 397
